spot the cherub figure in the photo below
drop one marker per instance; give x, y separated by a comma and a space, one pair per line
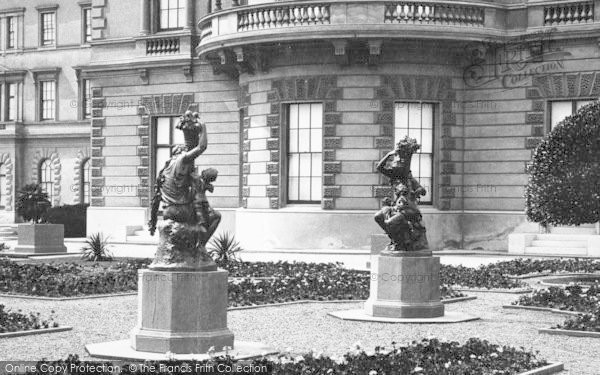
205, 214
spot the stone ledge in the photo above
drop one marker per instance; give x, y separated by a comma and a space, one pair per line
122, 350
361, 315
542, 309
566, 332
35, 332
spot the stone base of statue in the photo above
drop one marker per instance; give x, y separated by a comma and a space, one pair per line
405, 288
182, 312
182, 306
405, 285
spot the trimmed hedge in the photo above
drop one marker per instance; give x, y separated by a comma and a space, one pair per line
564, 178
73, 217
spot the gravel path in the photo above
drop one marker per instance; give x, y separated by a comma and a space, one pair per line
307, 326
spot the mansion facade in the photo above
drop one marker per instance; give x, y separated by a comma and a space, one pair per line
301, 99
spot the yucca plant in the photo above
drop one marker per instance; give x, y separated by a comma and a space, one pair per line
223, 248
96, 248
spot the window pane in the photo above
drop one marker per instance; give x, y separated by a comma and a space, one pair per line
163, 131
316, 115
401, 116
427, 112
560, 110
163, 154
426, 141
304, 116
414, 116
425, 161
304, 140
294, 167
305, 165
317, 164
178, 138
316, 140
583, 103
172, 18
316, 189
293, 193
293, 140
12, 102
305, 189
293, 116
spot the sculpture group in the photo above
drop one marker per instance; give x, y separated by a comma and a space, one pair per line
188, 220
400, 217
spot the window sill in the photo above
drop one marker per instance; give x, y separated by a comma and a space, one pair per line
47, 48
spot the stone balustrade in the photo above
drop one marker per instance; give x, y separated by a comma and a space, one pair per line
567, 14
162, 46
283, 16
434, 13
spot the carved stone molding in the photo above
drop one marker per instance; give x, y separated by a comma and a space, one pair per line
7, 194
52, 155
82, 157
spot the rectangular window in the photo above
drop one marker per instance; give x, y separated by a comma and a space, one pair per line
11, 102
165, 137
171, 14
87, 25
305, 153
417, 121
11, 33
48, 32
47, 100
564, 108
86, 98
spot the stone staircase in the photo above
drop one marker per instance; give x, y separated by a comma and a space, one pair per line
559, 241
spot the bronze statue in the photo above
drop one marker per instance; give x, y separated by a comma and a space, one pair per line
400, 217
188, 221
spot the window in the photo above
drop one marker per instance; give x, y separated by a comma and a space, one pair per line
417, 121
46, 177
2, 184
84, 189
11, 32
166, 136
561, 109
47, 100
48, 31
87, 25
11, 101
171, 14
305, 153
86, 98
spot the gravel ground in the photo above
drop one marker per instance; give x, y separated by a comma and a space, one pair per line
307, 326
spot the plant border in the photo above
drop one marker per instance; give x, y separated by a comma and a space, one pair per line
30, 332
543, 309
569, 332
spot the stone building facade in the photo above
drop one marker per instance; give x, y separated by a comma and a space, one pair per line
301, 99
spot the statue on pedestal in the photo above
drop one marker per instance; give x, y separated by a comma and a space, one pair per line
188, 221
400, 217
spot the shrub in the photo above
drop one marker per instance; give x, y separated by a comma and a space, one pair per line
11, 321
73, 217
224, 248
32, 203
564, 178
96, 248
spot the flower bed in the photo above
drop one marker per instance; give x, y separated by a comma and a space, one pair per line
571, 298
11, 321
588, 322
429, 356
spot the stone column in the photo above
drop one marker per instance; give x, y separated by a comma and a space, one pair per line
145, 17
190, 11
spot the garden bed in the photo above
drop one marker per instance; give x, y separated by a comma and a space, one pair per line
570, 298
429, 356
15, 323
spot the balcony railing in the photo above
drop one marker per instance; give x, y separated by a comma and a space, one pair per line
162, 46
568, 14
283, 16
432, 13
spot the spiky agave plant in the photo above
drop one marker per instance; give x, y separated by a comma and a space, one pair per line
96, 248
223, 248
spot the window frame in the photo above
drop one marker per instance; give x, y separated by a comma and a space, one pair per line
85, 179
86, 24
42, 75
85, 98
10, 22
181, 6
43, 100
42, 28
573, 107
41, 172
434, 118
16, 78
286, 142
14, 15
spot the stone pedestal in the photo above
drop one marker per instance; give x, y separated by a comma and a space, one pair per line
43, 239
405, 285
181, 312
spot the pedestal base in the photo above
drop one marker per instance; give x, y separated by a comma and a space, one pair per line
361, 315
181, 312
40, 239
405, 285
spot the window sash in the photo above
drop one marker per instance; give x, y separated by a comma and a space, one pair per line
11, 101
47, 100
305, 153
171, 14
87, 25
417, 120
48, 23
11, 30
46, 174
86, 98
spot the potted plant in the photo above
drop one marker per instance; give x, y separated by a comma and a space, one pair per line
37, 237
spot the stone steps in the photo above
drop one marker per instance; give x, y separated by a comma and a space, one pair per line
571, 243
574, 241
545, 250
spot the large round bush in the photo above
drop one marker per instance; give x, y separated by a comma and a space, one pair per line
564, 178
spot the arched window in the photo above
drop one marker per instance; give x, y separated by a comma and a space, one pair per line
2, 184
84, 188
46, 177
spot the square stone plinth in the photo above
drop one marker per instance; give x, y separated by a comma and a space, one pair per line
405, 285
42, 239
181, 312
